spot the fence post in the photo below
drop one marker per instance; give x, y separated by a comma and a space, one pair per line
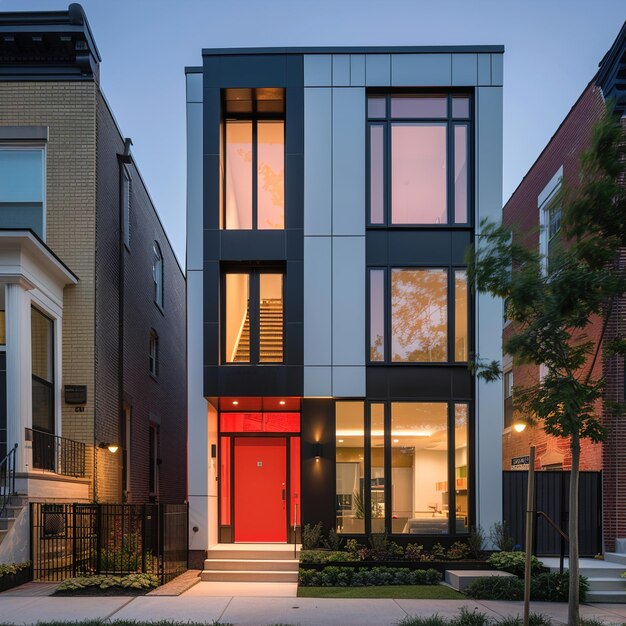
187, 527
33, 525
74, 551
160, 534
143, 538
98, 538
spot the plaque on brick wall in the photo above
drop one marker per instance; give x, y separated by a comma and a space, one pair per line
520, 462
75, 394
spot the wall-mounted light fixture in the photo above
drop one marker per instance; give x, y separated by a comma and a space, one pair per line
111, 447
213, 450
519, 426
317, 451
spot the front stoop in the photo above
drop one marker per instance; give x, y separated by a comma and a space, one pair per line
262, 564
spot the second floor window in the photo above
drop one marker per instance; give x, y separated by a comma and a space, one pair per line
508, 399
418, 315
153, 353
418, 159
253, 311
253, 163
157, 274
22, 189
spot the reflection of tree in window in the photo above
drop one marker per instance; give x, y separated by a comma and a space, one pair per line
376, 351
419, 315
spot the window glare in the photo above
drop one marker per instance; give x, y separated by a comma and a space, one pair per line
238, 175
460, 174
419, 106
270, 174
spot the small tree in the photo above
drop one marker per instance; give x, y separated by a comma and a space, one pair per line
552, 311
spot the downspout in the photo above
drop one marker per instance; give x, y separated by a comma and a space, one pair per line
124, 159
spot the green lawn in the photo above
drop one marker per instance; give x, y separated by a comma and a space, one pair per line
420, 592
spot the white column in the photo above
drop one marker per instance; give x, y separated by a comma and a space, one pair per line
19, 371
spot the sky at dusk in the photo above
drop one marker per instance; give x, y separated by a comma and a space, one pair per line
552, 50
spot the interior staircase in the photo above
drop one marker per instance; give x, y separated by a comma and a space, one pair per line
264, 563
604, 576
271, 334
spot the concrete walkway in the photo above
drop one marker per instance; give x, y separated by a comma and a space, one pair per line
264, 611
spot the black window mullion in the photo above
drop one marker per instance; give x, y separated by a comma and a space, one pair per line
451, 315
387, 464
367, 471
450, 163
254, 170
255, 307
451, 471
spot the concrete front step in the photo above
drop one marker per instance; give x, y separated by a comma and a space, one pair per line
256, 576
263, 554
608, 597
249, 565
6, 522
607, 584
615, 557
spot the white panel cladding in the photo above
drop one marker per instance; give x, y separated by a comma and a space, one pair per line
348, 182
419, 70
349, 301
348, 382
341, 70
194, 87
194, 186
489, 405
464, 69
317, 161
317, 70
497, 69
357, 70
484, 69
378, 70
317, 301
318, 381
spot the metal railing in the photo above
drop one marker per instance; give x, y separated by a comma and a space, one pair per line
562, 536
74, 539
56, 454
7, 478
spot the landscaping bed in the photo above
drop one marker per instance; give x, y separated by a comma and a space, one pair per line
14, 574
128, 585
410, 592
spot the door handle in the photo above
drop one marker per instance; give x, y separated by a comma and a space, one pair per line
284, 496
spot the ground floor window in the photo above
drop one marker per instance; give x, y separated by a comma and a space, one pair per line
415, 456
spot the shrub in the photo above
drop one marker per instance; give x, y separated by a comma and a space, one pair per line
554, 587
496, 588
535, 619
12, 568
501, 538
416, 552
476, 542
417, 620
438, 552
333, 576
324, 556
381, 549
311, 536
514, 562
470, 618
458, 550
131, 581
333, 542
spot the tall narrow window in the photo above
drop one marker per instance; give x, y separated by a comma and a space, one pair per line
419, 467
254, 163
43, 371
419, 315
153, 354
377, 174
377, 315
237, 318
460, 316
461, 464
126, 206
350, 467
22, 189
460, 174
271, 318
508, 398
157, 273
377, 464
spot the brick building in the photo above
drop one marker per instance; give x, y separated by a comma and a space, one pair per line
92, 297
529, 210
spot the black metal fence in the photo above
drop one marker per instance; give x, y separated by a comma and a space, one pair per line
551, 497
57, 454
84, 539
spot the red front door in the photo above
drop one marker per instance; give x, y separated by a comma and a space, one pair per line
260, 486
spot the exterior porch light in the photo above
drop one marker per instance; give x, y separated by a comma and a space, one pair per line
519, 426
111, 447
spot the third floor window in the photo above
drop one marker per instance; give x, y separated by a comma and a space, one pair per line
253, 162
418, 159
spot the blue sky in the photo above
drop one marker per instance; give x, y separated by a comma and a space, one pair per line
552, 51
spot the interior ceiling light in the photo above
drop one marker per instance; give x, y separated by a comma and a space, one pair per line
235, 402
396, 441
282, 402
340, 440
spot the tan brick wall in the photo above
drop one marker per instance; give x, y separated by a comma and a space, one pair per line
69, 110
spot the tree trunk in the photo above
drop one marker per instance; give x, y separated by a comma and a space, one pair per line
573, 609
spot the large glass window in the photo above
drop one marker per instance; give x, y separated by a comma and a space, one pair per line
254, 321
350, 467
22, 189
416, 302
419, 315
461, 464
254, 159
419, 143
42, 355
377, 466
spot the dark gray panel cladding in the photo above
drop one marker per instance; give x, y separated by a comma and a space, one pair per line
423, 383
317, 482
225, 248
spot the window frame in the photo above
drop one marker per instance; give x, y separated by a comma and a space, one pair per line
125, 195
254, 312
507, 421
153, 355
158, 284
254, 117
387, 313
50, 385
451, 122
43, 147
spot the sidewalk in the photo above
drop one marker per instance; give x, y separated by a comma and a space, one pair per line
263, 611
